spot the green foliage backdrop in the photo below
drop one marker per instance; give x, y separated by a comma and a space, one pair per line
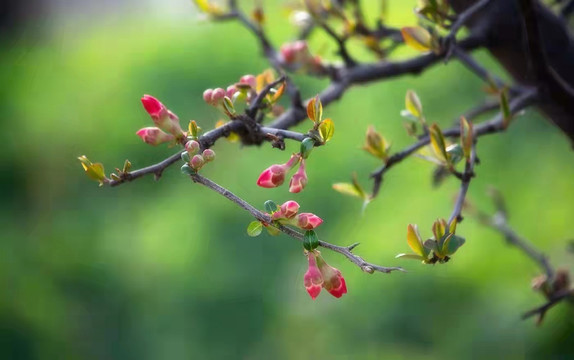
165, 270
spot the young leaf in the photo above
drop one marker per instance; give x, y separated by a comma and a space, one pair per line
375, 144
439, 229
310, 240
453, 244
417, 38
93, 171
414, 240
278, 93
193, 129
315, 109
452, 227
228, 105
438, 143
326, 129
505, 108
410, 256
413, 104
270, 206
466, 134
306, 146
254, 228
348, 189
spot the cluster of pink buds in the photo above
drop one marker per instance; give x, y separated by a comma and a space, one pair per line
274, 175
287, 214
240, 90
321, 275
167, 123
193, 160
297, 54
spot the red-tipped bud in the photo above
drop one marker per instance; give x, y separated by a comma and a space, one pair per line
208, 155
192, 147
274, 175
308, 221
299, 179
197, 162
217, 96
161, 116
207, 96
230, 91
333, 281
289, 209
154, 136
288, 53
313, 280
249, 80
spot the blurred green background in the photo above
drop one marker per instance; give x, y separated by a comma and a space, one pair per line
165, 270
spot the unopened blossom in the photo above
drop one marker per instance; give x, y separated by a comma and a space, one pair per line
308, 221
249, 80
274, 175
313, 280
192, 147
161, 116
289, 209
333, 281
154, 136
299, 179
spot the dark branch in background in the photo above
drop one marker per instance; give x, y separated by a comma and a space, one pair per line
558, 287
341, 43
494, 125
450, 40
343, 250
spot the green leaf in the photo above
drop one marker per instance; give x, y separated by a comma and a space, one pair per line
185, 156
376, 144
413, 104
505, 109
228, 105
310, 240
466, 136
326, 130
272, 230
315, 109
93, 171
254, 228
439, 228
438, 143
410, 256
455, 153
453, 244
306, 146
187, 170
270, 206
414, 240
348, 189
127, 166
417, 38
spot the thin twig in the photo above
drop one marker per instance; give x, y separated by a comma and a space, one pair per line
343, 250
494, 125
465, 183
450, 40
252, 111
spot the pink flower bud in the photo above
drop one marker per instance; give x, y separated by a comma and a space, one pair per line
154, 107
288, 53
192, 147
231, 90
333, 281
208, 155
249, 80
300, 46
308, 221
313, 280
197, 162
154, 136
207, 96
161, 116
299, 179
217, 96
274, 175
289, 209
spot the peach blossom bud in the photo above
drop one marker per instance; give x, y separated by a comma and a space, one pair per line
208, 155
230, 91
333, 281
192, 147
217, 96
207, 96
299, 179
288, 53
154, 136
249, 80
289, 209
197, 162
313, 280
161, 116
308, 221
274, 175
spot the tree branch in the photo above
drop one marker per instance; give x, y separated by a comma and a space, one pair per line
465, 183
265, 218
494, 125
